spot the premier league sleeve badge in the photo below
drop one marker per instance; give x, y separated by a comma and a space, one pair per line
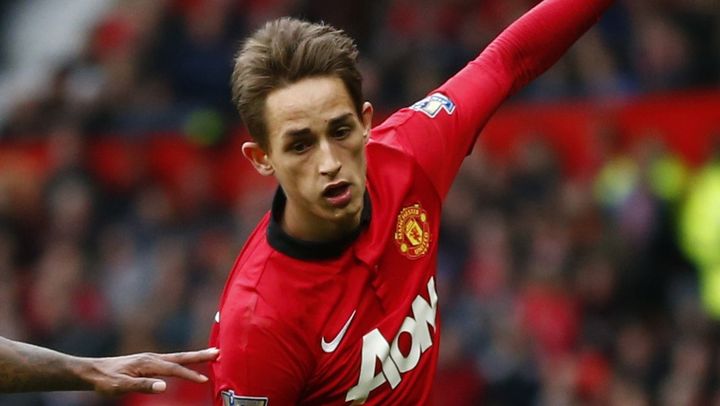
231, 399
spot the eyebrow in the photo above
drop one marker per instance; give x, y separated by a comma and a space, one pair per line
333, 122
296, 133
342, 119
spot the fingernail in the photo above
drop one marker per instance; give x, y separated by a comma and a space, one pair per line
159, 386
203, 378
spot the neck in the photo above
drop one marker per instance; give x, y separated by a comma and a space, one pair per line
304, 226
314, 238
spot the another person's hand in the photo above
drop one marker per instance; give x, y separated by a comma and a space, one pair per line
140, 372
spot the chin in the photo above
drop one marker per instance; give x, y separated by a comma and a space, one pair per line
347, 213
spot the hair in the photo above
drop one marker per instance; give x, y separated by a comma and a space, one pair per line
283, 52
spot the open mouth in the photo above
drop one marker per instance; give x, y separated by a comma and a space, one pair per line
338, 195
336, 190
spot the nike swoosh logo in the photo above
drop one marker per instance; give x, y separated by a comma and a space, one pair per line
332, 345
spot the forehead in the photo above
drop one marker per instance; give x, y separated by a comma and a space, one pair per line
308, 103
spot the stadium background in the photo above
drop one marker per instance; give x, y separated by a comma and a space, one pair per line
579, 258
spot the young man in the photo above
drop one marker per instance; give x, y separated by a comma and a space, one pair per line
332, 300
29, 368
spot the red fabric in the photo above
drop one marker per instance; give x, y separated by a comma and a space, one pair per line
522, 52
568, 127
275, 308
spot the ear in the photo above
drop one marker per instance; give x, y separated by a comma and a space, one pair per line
367, 113
258, 158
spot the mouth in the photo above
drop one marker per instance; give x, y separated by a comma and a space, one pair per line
337, 194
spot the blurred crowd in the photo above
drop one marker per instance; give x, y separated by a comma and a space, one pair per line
554, 290
567, 292
164, 65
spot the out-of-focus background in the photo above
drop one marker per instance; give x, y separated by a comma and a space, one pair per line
580, 252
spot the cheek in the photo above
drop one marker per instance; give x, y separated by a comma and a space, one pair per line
358, 156
295, 177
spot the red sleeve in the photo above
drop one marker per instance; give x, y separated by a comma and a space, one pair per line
258, 361
441, 129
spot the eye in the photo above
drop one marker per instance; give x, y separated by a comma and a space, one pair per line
299, 147
342, 132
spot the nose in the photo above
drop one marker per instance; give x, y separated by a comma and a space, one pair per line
329, 165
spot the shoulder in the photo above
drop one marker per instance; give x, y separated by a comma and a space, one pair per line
261, 316
419, 115
387, 140
272, 293
392, 161
387, 133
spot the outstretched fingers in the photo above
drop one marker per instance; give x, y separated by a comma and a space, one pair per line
127, 384
162, 367
140, 372
191, 357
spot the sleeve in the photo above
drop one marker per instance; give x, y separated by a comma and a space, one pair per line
441, 129
259, 363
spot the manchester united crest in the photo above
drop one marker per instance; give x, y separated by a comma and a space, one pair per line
412, 233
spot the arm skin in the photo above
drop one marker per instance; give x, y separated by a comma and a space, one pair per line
28, 368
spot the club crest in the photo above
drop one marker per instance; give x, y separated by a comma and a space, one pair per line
412, 233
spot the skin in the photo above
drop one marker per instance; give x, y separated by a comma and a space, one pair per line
28, 368
316, 139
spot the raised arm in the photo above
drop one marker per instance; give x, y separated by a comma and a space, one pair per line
533, 43
26, 368
526, 49
443, 128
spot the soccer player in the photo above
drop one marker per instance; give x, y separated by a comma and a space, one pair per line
333, 298
28, 368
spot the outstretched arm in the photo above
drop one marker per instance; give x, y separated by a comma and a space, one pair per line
25, 368
526, 49
534, 42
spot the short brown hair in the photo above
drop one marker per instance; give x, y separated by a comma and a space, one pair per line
283, 52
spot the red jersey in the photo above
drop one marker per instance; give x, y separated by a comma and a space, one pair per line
357, 321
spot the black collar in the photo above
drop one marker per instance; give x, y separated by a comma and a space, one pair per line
310, 250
